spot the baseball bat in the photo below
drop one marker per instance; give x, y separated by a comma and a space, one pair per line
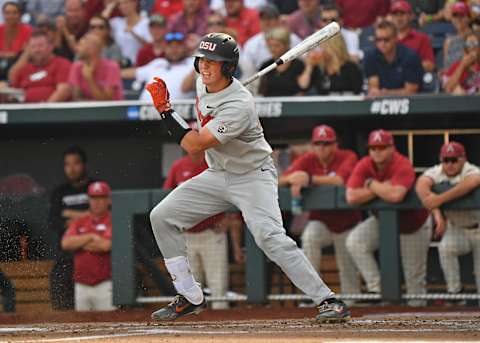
307, 44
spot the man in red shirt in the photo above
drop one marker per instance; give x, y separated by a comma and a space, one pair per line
207, 243
42, 75
245, 21
90, 239
388, 175
326, 165
402, 17
158, 28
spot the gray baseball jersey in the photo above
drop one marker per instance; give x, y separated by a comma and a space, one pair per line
231, 117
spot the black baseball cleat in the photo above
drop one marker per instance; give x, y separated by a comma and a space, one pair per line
179, 307
332, 310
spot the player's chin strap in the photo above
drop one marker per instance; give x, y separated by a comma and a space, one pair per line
175, 126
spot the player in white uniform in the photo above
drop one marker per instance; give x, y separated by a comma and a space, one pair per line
241, 173
461, 231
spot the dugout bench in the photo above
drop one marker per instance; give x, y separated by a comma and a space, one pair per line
127, 204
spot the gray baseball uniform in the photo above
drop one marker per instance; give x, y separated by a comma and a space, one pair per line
241, 173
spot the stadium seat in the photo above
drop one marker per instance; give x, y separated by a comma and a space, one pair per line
438, 32
367, 38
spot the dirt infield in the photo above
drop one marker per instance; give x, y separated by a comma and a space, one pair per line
296, 326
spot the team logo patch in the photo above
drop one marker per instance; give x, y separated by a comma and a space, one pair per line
222, 128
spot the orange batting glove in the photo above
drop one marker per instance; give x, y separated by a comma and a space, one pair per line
160, 95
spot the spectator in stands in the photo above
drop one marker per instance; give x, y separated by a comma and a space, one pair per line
402, 17
459, 229
14, 36
454, 45
42, 75
329, 14
463, 77
306, 19
284, 80
219, 5
93, 77
285, 6
173, 68
68, 202
192, 22
90, 240
41, 10
359, 14
167, 8
130, 31
243, 20
330, 70
388, 175
111, 51
207, 243
157, 25
327, 164
442, 14
70, 28
392, 68
255, 48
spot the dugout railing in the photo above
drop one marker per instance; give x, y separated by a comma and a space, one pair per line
127, 204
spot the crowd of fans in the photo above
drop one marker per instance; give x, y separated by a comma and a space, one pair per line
76, 50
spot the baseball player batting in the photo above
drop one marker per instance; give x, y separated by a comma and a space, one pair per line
241, 173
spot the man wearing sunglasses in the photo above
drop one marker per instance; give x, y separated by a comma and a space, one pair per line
391, 68
326, 165
388, 175
459, 229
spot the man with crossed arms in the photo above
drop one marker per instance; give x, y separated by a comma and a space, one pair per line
460, 228
326, 165
388, 175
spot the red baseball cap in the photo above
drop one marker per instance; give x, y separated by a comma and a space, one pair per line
323, 133
452, 149
401, 6
99, 189
380, 138
460, 8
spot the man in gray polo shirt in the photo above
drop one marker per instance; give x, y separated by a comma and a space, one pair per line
241, 173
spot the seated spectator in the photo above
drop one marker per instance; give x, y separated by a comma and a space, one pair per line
284, 80
150, 51
359, 14
402, 16
330, 70
255, 48
330, 13
244, 21
93, 77
463, 77
441, 14
14, 36
167, 8
453, 46
192, 22
42, 75
130, 32
304, 21
104, 8
90, 240
173, 68
392, 68
327, 164
458, 229
70, 28
111, 51
388, 175
41, 10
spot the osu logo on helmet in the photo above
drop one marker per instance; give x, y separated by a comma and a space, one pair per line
207, 46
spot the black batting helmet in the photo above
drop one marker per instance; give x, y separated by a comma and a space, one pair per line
218, 47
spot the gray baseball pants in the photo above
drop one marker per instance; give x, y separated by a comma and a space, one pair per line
256, 195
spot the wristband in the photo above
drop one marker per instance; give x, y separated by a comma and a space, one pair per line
428, 18
368, 182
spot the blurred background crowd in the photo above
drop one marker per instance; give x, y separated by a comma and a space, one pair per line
75, 50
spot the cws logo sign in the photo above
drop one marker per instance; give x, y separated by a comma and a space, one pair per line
390, 106
207, 46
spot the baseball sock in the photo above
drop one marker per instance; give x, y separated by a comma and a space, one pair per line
183, 280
